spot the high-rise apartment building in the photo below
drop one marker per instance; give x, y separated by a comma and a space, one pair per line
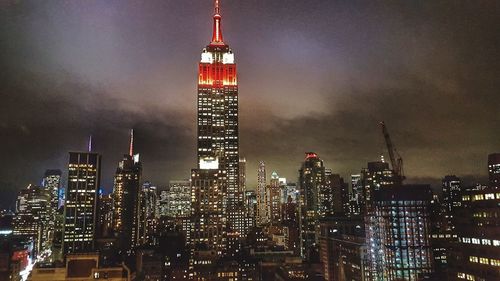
80, 208
312, 184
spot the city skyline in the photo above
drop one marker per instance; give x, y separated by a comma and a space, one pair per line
388, 126
133, 61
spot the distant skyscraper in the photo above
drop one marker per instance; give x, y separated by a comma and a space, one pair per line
312, 180
126, 200
494, 170
147, 214
355, 195
262, 213
52, 182
33, 216
218, 134
274, 199
80, 209
452, 196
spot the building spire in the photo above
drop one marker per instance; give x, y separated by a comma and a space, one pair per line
131, 149
90, 143
217, 29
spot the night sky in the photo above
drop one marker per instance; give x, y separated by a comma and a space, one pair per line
313, 76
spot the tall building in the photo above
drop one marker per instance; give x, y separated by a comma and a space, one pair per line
274, 195
33, 216
126, 200
398, 235
262, 215
476, 254
218, 134
52, 183
312, 183
452, 197
80, 208
148, 214
105, 216
355, 195
494, 170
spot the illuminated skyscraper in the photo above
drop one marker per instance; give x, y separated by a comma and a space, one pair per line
218, 142
33, 216
80, 208
148, 214
274, 199
217, 200
262, 215
312, 180
126, 195
52, 183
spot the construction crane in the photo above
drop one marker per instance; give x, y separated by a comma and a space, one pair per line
397, 164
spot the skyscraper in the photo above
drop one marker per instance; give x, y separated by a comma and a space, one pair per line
52, 183
312, 181
217, 200
218, 142
148, 214
33, 216
80, 208
274, 199
262, 216
126, 195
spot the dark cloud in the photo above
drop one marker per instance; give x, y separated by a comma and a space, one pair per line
314, 75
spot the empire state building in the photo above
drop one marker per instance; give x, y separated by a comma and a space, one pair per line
217, 198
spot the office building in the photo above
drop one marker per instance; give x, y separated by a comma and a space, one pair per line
80, 208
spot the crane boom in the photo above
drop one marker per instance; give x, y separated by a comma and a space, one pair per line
397, 164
